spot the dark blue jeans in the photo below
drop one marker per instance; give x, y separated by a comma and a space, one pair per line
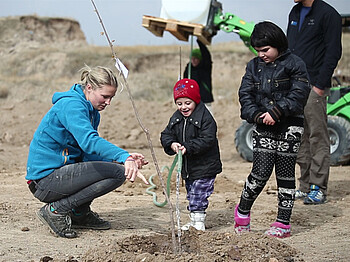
75, 186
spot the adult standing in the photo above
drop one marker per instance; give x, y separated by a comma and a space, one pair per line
314, 34
201, 70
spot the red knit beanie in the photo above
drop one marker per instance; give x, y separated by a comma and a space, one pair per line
187, 88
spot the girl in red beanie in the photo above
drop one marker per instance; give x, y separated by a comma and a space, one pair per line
192, 129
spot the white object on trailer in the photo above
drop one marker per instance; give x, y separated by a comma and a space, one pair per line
192, 11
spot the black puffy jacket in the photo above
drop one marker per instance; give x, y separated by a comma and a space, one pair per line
280, 88
198, 134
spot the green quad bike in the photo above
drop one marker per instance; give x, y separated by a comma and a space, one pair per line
338, 111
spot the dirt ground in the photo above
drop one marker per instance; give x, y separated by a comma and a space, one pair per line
140, 230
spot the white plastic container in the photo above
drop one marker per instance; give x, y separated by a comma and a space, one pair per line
193, 11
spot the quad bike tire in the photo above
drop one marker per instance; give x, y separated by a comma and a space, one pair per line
244, 141
339, 134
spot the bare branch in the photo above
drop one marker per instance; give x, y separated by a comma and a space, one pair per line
146, 131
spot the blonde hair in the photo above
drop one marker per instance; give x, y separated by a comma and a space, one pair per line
97, 77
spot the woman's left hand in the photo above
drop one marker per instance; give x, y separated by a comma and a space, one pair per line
132, 171
132, 166
139, 160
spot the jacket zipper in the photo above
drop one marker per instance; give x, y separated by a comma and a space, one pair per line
184, 140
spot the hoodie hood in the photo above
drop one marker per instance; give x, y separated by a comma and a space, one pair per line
75, 92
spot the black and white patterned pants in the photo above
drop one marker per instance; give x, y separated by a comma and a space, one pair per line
274, 147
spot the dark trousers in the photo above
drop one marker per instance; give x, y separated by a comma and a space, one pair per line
75, 186
314, 154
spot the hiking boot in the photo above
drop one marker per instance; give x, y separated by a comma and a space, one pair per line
315, 197
60, 224
242, 225
300, 194
279, 230
90, 220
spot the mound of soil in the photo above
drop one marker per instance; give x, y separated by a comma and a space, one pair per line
195, 246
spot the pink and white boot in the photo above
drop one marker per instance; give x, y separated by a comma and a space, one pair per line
242, 224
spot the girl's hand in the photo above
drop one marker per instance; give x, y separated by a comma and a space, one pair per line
177, 146
267, 119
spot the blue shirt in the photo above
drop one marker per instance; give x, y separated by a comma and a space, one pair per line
303, 12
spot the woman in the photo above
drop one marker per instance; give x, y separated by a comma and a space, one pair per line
69, 164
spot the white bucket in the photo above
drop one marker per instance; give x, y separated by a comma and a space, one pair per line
193, 11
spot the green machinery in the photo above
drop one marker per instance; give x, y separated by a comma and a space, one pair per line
338, 107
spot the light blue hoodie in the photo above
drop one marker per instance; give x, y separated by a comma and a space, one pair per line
68, 134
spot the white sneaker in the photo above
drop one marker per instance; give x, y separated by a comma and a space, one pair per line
197, 221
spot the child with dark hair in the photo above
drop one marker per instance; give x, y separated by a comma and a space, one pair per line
273, 93
192, 129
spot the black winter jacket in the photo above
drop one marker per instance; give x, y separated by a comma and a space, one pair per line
280, 88
202, 74
318, 42
198, 134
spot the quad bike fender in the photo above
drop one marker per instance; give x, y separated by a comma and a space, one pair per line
344, 113
341, 107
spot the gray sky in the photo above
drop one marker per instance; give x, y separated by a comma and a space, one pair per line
123, 18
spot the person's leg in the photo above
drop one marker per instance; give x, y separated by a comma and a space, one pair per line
304, 154
264, 155
287, 150
198, 192
69, 192
75, 186
319, 142
263, 163
285, 170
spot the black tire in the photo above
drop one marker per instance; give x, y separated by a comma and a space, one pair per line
339, 134
244, 141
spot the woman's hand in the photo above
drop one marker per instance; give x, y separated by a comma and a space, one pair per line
131, 169
139, 160
177, 146
267, 119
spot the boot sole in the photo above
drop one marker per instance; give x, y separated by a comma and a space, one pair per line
314, 203
90, 227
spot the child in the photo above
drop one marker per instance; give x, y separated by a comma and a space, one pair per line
273, 93
192, 129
